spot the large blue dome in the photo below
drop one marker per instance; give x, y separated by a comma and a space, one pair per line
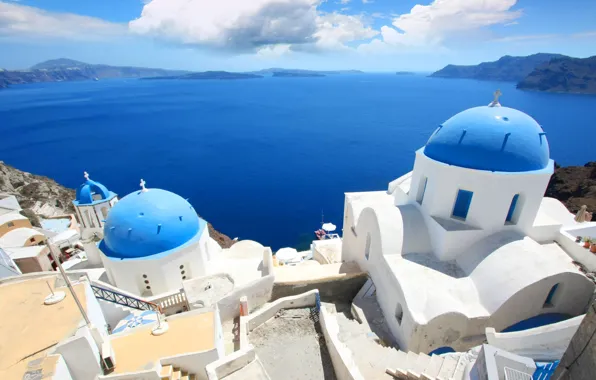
146, 223
490, 138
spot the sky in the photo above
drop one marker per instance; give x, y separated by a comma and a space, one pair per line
241, 35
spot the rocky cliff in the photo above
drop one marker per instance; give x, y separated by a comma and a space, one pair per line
39, 195
507, 68
574, 186
571, 75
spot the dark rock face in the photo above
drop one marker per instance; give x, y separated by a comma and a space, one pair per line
39, 195
507, 68
572, 75
574, 186
63, 70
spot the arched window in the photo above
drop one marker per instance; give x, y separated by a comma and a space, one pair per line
367, 246
549, 302
511, 213
462, 204
399, 313
421, 190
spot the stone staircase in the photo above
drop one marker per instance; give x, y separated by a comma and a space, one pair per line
169, 372
411, 366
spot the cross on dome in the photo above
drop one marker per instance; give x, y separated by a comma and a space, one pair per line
495, 103
86, 175
143, 189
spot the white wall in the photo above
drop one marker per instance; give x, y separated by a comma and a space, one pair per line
61, 371
94, 310
577, 251
81, 355
258, 293
545, 343
493, 192
194, 362
231, 363
164, 274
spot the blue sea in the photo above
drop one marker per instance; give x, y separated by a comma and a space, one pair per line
260, 159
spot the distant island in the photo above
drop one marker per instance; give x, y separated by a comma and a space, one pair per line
65, 70
405, 73
507, 68
278, 72
284, 74
568, 75
220, 75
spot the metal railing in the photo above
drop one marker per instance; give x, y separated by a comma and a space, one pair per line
124, 300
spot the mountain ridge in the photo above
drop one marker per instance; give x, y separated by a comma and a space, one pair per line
507, 68
564, 75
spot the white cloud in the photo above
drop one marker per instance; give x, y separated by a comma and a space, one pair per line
436, 24
23, 21
255, 25
344, 1
367, 1
336, 29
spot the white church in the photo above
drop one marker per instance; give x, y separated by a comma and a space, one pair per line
149, 242
467, 240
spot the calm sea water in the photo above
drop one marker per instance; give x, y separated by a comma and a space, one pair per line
260, 159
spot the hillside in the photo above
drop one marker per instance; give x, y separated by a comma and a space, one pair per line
570, 75
507, 68
574, 186
64, 70
39, 195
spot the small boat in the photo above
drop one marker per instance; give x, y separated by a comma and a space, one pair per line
96, 79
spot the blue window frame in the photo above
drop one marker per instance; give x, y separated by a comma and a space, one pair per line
462, 204
422, 190
550, 296
512, 208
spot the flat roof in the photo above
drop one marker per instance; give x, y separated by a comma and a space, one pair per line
139, 350
29, 328
25, 252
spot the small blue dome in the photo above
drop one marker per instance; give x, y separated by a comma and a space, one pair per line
147, 223
91, 192
490, 138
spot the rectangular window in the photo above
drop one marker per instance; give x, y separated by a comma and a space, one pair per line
462, 204
512, 208
421, 190
32, 239
10, 224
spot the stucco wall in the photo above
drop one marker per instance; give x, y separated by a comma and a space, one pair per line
341, 357
164, 274
231, 363
577, 252
61, 371
81, 355
257, 292
579, 361
545, 343
17, 223
28, 265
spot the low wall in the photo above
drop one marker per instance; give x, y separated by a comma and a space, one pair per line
544, 343
341, 356
577, 251
257, 292
194, 362
141, 375
81, 355
338, 282
263, 315
231, 363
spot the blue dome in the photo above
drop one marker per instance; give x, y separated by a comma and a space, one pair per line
490, 138
91, 192
147, 223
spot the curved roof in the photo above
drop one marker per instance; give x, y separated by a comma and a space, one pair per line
146, 223
18, 237
91, 192
490, 138
11, 216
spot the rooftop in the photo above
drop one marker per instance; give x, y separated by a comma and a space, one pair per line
10, 217
25, 252
18, 237
24, 332
140, 350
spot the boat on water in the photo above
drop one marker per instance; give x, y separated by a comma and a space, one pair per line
96, 79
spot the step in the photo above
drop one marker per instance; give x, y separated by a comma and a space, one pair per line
433, 367
411, 359
176, 375
397, 373
396, 359
184, 378
447, 369
460, 369
166, 372
421, 363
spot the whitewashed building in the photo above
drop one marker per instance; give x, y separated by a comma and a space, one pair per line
467, 240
